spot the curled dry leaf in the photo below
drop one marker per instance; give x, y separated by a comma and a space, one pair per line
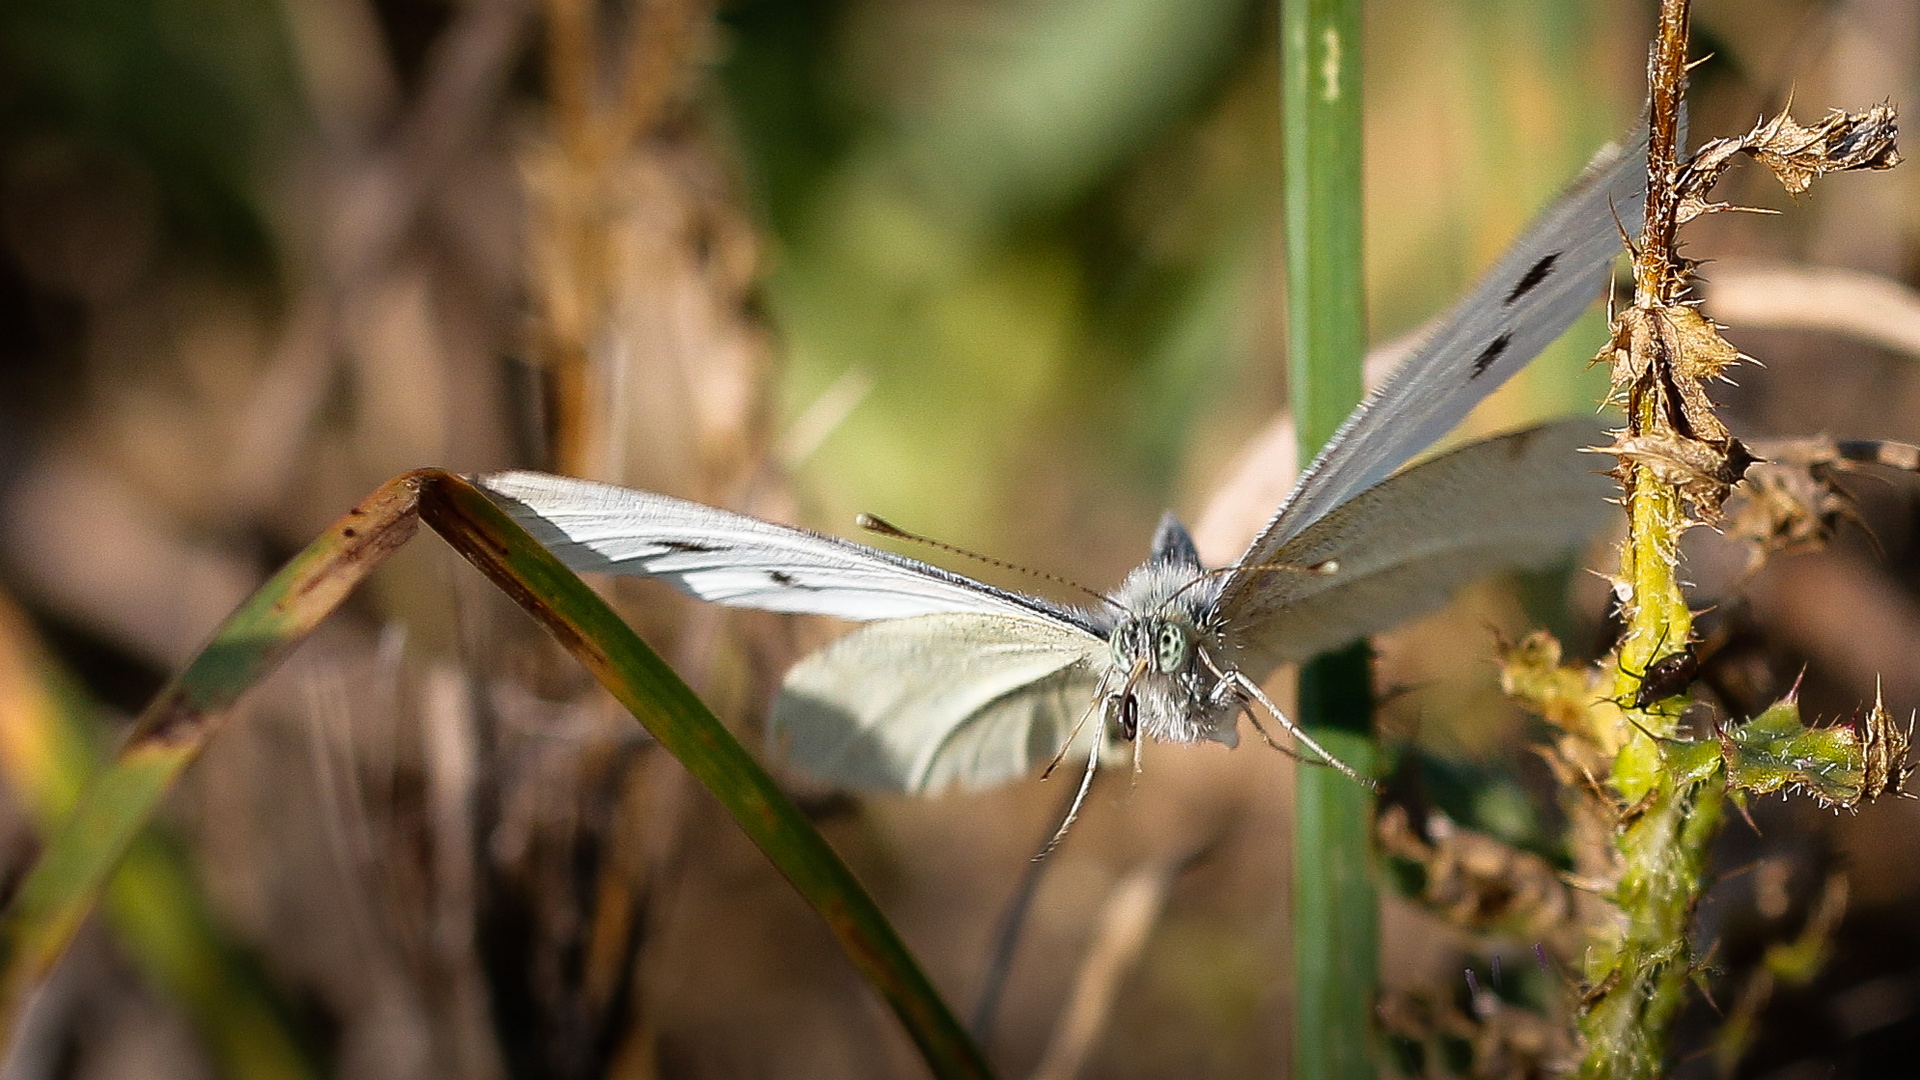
1477, 882
1791, 502
1503, 1041
1796, 155
1662, 354
1662, 358
1704, 472
1883, 746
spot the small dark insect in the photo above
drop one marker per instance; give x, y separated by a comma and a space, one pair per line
1129, 717
1667, 677
1488, 355
1534, 276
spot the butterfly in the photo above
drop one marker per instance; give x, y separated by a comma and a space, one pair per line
952, 681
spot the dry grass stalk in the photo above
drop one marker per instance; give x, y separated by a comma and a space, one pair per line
1125, 924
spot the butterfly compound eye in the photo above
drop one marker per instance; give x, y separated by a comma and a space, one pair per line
1171, 648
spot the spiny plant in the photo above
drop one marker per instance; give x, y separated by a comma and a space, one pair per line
1643, 796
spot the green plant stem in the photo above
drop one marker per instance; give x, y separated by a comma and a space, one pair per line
1336, 953
1335, 924
1642, 965
1639, 966
1320, 117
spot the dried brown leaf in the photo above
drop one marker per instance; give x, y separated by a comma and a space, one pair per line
1796, 155
1662, 358
1883, 746
1477, 882
1791, 502
1704, 473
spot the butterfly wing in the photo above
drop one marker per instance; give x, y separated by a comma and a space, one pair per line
1404, 546
919, 704
1552, 273
740, 561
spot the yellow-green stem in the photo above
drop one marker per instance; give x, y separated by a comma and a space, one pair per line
1639, 966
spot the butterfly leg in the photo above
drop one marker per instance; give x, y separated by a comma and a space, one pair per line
1248, 686
1079, 797
1246, 709
1100, 699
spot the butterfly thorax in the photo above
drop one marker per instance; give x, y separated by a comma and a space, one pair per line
1167, 654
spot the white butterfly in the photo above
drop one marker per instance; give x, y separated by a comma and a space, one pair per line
957, 681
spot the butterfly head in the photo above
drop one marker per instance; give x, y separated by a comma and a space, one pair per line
1166, 645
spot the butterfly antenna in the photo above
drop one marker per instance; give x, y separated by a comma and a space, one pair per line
874, 524
1326, 566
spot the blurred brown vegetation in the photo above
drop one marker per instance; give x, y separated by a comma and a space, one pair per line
1003, 271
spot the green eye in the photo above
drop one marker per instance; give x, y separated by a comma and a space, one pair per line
1171, 646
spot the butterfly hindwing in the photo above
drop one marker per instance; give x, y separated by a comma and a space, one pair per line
919, 704
733, 559
1402, 547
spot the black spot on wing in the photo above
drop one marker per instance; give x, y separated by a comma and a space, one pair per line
690, 547
1534, 276
1489, 354
781, 577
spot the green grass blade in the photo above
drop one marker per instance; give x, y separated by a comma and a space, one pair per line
682, 723
63, 887
1336, 921
83, 854
1326, 302
1335, 924
153, 904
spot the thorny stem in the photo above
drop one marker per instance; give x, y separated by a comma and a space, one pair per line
1667, 84
1639, 965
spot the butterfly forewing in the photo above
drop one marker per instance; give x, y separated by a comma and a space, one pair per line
919, 704
1553, 273
1404, 546
741, 561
